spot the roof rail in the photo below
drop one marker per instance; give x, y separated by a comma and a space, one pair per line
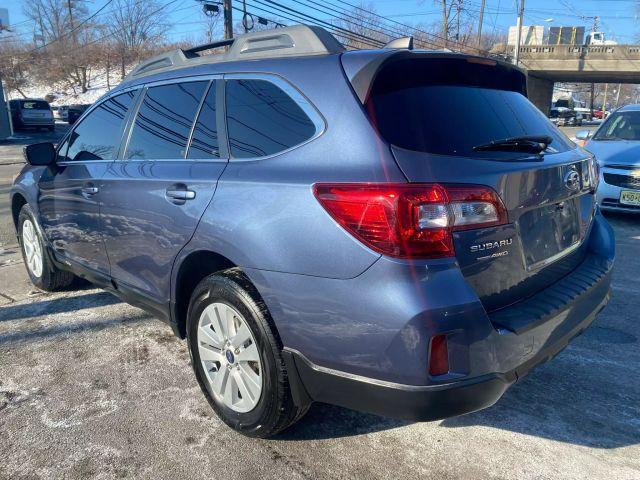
191, 52
297, 40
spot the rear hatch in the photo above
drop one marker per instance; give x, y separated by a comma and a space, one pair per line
433, 109
35, 111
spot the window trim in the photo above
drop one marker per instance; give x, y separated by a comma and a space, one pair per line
222, 135
303, 102
123, 129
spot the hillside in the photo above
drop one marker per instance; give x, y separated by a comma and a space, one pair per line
63, 94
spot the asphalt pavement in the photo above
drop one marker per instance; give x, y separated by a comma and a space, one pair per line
93, 388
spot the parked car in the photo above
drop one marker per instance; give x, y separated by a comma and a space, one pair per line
76, 111
294, 212
31, 113
616, 145
565, 117
60, 112
600, 115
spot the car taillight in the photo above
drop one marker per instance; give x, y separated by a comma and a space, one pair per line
410, 220
439, 356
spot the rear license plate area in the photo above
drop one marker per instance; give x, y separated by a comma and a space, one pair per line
550, 232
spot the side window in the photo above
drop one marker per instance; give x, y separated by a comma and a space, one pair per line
204, 143
62, 151
163, 123
263, 120
97, 137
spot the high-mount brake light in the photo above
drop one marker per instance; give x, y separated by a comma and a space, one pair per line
410, 220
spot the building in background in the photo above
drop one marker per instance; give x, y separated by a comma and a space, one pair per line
531, 35
566, 36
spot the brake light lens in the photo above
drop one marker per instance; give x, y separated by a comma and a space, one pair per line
410, 220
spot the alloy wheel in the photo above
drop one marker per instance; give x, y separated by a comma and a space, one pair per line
230, 357
32, 248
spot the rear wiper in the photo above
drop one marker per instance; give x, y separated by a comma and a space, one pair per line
525, 143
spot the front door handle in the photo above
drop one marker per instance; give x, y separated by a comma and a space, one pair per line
90, 190
180, 194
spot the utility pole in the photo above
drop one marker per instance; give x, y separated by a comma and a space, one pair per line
604, 102
618, 95
458, 8
516, 56
445, 22
592, 99
228, 19
480, 23
73, 32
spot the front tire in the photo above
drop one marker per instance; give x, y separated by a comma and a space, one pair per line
237, 357
42, 272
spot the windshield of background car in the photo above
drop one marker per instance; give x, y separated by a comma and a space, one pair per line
620, 126
447, 106
34, 105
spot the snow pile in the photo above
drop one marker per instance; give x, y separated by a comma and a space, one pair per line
64, 94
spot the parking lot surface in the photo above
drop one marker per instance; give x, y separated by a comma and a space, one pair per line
93, 388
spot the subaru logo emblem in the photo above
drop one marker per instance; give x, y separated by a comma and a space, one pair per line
229, 356
572, 180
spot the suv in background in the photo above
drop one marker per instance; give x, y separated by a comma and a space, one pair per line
296, 212
75, 112
60, 112
31, 113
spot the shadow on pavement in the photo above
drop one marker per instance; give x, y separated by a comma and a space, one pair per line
327, 421
57, 305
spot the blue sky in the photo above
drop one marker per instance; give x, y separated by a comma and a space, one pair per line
618, 18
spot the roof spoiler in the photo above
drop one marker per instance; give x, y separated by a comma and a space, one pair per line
405, 43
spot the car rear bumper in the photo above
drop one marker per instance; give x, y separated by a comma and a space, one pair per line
36, 123
364, 343
413, 402
556, 315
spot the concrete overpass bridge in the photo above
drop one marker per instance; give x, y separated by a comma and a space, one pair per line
547, 64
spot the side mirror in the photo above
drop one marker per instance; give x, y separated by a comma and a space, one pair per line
40, 154
584, 134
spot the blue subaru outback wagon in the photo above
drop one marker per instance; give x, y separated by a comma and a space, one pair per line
394, 231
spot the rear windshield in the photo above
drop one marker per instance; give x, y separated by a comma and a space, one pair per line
448, 106
34, 105
620, 126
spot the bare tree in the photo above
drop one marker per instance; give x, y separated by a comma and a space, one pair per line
135, 25
361, 27
12, 71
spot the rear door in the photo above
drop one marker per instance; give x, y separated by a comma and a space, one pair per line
71, 193
434, 111
156, 194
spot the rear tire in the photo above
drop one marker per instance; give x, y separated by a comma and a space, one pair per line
42, 271
217, 369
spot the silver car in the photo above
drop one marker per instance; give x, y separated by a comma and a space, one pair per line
616, 145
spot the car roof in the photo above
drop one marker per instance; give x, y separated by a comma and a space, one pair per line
630, 108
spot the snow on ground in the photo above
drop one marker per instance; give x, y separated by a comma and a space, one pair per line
64, 94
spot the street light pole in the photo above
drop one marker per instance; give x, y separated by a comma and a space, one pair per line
516, 56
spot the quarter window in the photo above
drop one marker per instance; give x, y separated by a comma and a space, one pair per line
164, 121
97, 137
204, 143
263, 120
